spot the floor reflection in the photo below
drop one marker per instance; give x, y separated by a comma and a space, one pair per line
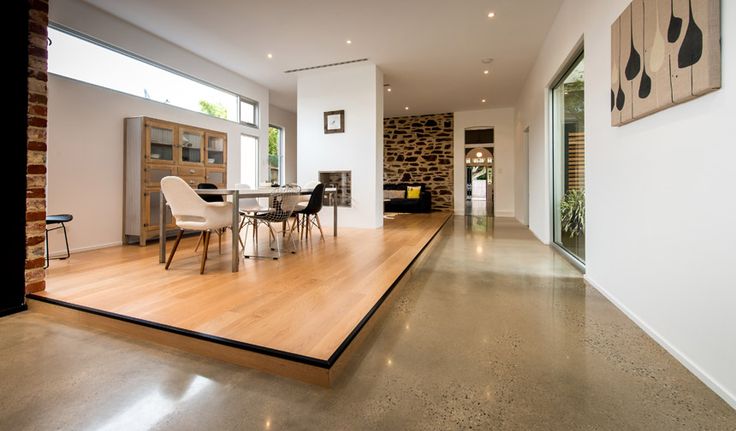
493, 331
154, 407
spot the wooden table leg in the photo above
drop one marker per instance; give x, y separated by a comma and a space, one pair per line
162, 229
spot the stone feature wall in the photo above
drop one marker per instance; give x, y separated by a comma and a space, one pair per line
419, 149
36, 144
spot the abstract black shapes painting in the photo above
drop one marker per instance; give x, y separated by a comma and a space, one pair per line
663, 52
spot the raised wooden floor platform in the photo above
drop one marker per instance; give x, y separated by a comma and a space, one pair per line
294, 317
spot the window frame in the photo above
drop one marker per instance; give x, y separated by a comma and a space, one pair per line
256, 111
578, 56
281, 152
134, 56
257, 176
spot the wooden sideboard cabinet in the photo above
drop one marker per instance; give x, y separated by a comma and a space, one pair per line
155, 149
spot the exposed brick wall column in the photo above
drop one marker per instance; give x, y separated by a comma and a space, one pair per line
419, 149
36, 169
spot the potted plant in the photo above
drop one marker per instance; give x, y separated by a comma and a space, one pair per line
572, 209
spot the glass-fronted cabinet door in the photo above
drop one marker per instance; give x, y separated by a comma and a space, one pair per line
216, 149
190, 146
153, 173
159, 142
216, 176
152, 212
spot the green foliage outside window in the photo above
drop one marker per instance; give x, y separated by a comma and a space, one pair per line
572, 209
273, 141
213, 109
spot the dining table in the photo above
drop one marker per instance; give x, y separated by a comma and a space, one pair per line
236, 194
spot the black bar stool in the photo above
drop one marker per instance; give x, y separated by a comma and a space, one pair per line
57, 219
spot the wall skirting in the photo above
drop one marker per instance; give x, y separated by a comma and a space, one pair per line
681, 357
59, 253
504, 214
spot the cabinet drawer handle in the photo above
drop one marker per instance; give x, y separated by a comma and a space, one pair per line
192, 171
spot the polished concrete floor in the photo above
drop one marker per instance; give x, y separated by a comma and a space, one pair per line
478, 207
493, 332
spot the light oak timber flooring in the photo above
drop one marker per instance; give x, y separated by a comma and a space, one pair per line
305, 303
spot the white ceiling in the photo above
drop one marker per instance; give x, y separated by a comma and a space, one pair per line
429, 50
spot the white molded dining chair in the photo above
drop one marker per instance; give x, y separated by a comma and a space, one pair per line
249, 205
193, 213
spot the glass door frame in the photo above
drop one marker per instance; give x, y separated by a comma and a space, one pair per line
573, 61
281, 156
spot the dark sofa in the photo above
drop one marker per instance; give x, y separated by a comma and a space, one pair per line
421, 205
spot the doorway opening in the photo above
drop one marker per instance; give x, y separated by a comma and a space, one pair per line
479, 182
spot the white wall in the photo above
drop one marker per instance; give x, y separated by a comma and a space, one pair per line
86, 19
85, 156
521, 173
287, 121
85, 134
660, 197
358, 89
502, 120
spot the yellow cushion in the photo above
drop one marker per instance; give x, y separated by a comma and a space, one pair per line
413, 192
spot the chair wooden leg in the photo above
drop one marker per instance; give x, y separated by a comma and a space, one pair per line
219, 240
294, 223
319, 225
199, 241
204, 250
173, 250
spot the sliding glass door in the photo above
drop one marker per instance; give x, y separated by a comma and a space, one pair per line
568, 161
275, 154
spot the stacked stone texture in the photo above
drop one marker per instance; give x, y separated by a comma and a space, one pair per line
419, 149
36, 141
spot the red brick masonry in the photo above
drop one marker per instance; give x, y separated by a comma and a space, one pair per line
36, 172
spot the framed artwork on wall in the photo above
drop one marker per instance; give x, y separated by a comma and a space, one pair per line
663, 52
335, 121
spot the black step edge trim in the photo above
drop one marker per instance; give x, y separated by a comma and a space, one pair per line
247, 346
354, 333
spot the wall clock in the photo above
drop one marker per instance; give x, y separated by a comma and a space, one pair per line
335, 121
